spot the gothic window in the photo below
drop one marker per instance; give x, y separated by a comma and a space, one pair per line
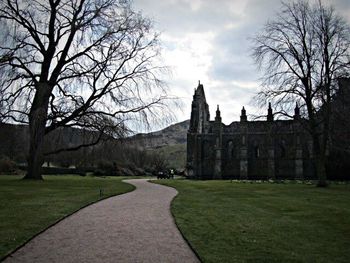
256, 152
206, 150
282, 149
230, 150
243, 139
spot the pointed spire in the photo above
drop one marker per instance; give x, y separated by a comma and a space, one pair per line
269, 113
243, 114
218, 111
200, 89
296, 112
218, 117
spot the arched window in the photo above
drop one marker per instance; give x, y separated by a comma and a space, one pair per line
256, 152
282, 149
207, 150
230, 150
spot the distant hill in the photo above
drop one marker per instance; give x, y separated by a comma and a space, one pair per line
173, 135
170, 143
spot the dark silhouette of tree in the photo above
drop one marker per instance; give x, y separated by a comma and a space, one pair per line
302, 52
77, 63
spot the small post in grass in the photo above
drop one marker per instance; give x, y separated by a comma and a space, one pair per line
101, 192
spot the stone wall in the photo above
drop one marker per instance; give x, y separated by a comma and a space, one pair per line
246, 149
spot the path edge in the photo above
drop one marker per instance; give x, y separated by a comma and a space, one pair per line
61, 219
174, 220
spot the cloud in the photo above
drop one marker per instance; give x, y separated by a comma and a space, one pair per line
209, 41
231, 96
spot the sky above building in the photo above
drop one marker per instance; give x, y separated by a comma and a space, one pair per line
209, 40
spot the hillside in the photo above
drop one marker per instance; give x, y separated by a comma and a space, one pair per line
169, 143
173, 135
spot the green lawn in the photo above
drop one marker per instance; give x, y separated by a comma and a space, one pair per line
252, 222
27, 207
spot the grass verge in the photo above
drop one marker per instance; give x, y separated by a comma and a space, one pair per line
251, 222
28, 207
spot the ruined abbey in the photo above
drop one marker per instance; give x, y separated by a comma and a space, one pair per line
246, 149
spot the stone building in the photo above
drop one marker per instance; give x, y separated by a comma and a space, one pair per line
246, 149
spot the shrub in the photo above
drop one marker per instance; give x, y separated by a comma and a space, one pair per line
106, 168
7, 165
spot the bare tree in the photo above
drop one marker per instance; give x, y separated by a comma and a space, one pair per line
302, 53
90, 64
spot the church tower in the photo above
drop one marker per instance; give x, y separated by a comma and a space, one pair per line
198, 125
200, 110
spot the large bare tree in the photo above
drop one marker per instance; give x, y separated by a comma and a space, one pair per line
90, 64
302, 52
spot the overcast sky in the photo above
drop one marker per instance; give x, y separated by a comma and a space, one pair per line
208, 40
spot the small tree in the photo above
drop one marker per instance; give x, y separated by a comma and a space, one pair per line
302, 52
77, 63
159, 162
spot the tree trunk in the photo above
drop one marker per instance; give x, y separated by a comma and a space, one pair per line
37, 123
321, 171
320, 156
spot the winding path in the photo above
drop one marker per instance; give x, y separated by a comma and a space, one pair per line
133, 227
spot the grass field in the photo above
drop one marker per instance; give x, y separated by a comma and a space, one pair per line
251, 222
27, 207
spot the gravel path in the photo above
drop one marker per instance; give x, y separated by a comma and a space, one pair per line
133, 227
